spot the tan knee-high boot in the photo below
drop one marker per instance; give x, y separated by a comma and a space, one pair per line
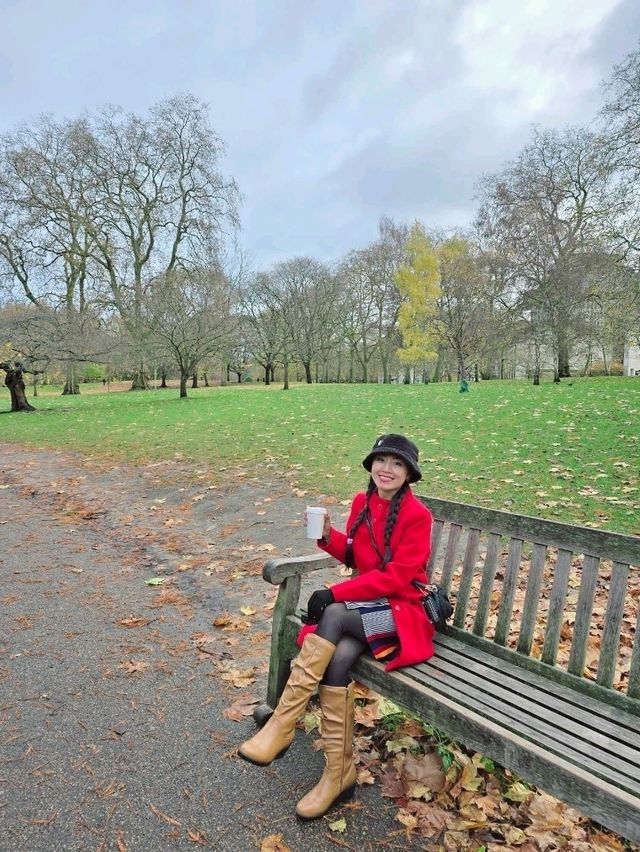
276, 736
339, 776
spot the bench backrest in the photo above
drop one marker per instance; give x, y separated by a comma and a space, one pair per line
564, 598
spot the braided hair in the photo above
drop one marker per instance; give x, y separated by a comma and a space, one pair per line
364, 515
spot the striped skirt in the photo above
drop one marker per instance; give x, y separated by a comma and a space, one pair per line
379, 627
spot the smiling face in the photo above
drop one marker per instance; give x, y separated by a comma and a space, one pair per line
389, 474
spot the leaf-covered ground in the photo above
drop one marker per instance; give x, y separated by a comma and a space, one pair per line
134, 646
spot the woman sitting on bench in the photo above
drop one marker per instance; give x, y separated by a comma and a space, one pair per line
378, 610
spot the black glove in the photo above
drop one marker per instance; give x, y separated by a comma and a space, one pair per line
317, 604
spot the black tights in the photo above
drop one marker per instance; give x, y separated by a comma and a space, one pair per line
343, 628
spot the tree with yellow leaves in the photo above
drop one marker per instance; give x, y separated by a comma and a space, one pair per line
419, 284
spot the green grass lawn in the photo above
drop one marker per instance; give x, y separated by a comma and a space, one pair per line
568, 452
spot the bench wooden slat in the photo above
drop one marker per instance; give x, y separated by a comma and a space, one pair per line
466, 579
555, 614
436, 537
612, 621
532, 598
509, 586
486, 584
633, 690
584, 615
451, 553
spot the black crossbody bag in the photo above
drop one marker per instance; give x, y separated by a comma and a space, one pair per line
436, 604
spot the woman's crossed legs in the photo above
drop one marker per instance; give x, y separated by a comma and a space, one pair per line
343, 628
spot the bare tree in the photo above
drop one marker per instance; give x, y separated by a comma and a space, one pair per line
266, 329
44, 244
190, 315
551, 207
158, 201
360, 310
302, 291
385, 256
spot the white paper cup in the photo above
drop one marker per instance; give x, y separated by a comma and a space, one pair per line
315, 521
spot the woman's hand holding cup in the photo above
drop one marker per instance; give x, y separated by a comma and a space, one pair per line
318, 522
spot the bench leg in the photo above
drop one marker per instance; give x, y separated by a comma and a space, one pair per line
279, 666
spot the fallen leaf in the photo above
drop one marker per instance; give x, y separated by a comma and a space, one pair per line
340, 825
398, 743
133, 621
134, 666
248, 610
163, 816
517, 792
311, 721
155, 581
274, 843
470, 779
407, 819
424, 769
197, 837
239, 678
240, 708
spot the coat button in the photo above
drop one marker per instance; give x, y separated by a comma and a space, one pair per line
397, 606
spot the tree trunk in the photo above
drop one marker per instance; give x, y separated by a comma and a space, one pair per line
163, 377
386, 379
71, 386
14, 381
563, 359
194, 381
206, 380
183, 385
267, 374
307, 372
285, 385
139, 380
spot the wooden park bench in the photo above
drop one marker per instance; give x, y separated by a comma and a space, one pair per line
540, 668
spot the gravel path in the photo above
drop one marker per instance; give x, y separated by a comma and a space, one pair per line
113, 693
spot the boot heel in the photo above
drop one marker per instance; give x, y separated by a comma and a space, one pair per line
258, 763
345, 796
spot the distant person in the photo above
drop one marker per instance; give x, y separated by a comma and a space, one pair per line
376, 611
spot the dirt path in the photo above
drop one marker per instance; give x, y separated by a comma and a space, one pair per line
113, 693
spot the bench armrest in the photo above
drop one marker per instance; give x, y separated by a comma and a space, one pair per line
277, 570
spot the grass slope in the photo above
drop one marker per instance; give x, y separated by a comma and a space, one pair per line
570, 452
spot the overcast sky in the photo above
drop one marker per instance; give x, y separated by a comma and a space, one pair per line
334, 112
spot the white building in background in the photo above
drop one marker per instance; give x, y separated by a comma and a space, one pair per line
631, 364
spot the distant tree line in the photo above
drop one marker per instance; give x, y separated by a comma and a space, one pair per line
118, 246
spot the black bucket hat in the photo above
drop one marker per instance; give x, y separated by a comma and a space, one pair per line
396, 445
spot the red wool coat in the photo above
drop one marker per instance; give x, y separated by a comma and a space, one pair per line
410, 548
